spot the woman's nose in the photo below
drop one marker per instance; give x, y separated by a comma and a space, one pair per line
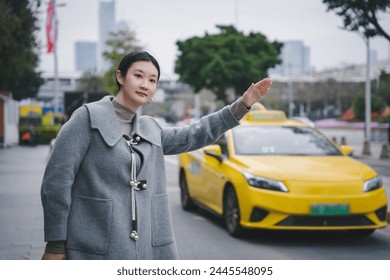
144, 83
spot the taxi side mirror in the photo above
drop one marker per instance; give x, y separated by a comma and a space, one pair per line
214, 151
346, 150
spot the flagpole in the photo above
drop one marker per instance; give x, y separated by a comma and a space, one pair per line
56, 84
52, 34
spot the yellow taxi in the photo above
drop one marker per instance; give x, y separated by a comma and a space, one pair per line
276, 173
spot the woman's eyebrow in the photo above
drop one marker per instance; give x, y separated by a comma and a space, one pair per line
139, 70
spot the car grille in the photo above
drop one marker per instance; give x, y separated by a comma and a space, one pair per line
326, 221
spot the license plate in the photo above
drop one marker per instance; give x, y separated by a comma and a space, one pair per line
329, 209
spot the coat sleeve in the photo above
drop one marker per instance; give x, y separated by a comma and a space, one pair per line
205, 131
68, 152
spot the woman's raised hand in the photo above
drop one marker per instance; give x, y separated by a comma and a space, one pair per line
255, 92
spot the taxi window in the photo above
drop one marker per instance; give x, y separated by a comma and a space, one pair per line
281, 140
223, 144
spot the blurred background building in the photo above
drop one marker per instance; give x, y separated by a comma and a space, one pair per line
106, 25
298, 88
295, 58
85, 56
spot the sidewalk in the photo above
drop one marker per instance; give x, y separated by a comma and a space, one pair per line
355, 139
21, 216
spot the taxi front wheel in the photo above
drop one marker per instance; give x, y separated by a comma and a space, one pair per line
186, 201
231, 213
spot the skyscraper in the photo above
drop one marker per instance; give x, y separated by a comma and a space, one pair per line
295, 58
106, 25
85, 56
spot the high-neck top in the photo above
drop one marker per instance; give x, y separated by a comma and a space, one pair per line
124, 116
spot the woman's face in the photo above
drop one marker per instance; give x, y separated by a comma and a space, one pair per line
138, 86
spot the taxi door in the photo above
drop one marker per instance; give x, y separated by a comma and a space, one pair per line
213, 177
194, 178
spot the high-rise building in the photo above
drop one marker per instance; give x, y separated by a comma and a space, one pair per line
295, 58
106, 25
373, 56
85, 56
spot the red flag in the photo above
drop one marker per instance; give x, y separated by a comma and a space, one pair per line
51, 27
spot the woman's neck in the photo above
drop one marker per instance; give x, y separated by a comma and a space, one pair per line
125, 117
130, 107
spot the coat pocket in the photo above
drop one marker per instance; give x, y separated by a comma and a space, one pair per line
162, 232
89, 224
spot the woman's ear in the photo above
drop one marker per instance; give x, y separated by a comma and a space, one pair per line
119, 77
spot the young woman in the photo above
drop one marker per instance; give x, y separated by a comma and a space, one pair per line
104, 190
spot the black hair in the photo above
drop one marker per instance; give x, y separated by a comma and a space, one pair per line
132, 57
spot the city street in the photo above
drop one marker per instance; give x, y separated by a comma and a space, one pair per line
198, 234
213, 242
300, 189
21, 217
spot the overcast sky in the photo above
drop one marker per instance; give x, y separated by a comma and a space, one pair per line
159, 24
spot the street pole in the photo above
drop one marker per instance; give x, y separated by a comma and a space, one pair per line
290, 92
56, 84
290, 99
368, 95
236, 13
56, 99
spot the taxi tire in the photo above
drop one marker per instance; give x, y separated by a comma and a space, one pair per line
185, 199
231, 213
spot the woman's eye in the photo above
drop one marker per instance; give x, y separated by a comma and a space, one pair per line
153, 81
138, 75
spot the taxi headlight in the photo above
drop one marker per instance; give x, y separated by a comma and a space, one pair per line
264, 183
372, 184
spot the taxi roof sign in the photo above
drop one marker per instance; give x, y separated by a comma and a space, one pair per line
269, 115
258, 106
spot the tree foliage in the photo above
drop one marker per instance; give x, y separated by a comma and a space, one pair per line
19, 49
361, 15
377, 105
384, 87
380, 97
121, 43
91, 82
226, 60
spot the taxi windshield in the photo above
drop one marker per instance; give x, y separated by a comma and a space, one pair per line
281, 140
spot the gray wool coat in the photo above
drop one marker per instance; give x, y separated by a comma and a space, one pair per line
85, 189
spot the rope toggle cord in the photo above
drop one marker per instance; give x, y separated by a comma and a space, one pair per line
134, 186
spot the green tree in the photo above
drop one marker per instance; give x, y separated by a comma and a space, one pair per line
361, 15
121, 43
383, 89
377, 105
19, 48
91, 82
226, 60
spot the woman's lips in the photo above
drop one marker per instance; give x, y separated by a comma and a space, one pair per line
141, 94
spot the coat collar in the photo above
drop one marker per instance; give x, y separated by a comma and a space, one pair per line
104, 119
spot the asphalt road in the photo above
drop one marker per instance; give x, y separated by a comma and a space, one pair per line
198, 234
201, 236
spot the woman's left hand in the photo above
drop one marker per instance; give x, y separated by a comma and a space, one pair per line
255, 92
